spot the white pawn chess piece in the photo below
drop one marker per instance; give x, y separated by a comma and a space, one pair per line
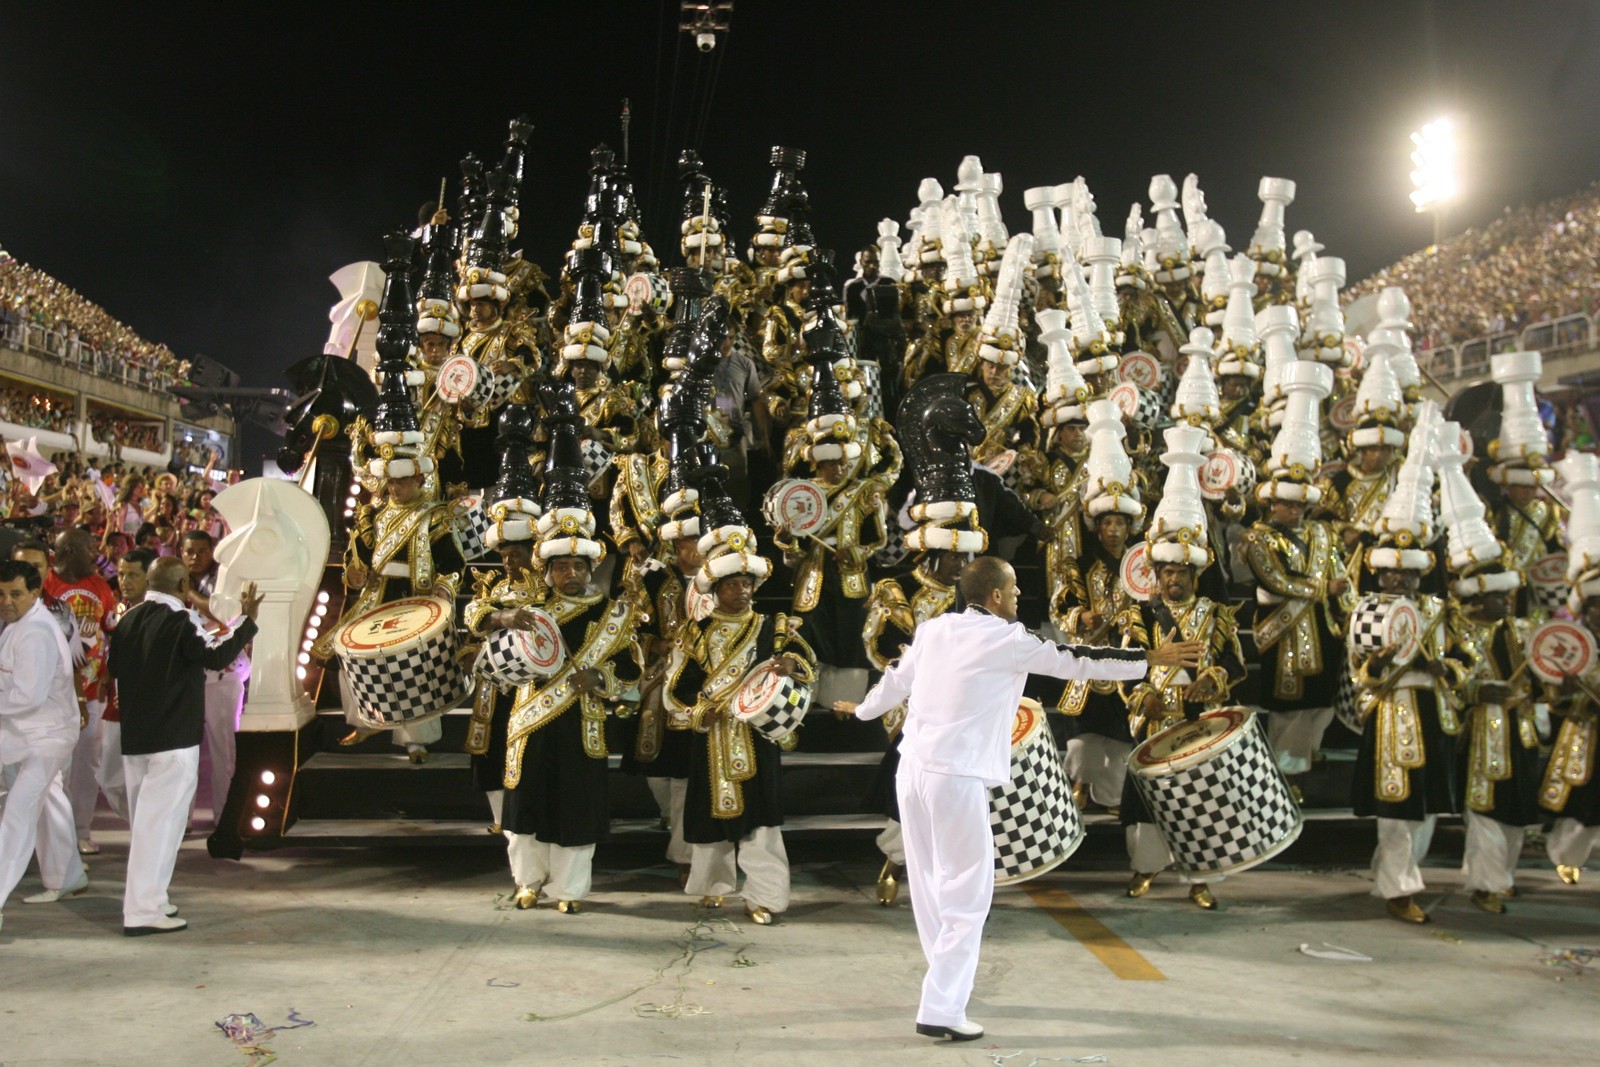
1046, 230
1306, 248
1066, 392
1172, 246
890, 266
991, 227
279, 540
969, 182
1276, 194
930, 201
1239, 342
1197, 400
1178, 529
1211, 245
1323, 336
1108, 484
960, 272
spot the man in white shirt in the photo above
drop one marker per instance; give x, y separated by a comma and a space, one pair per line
962, 676
39, 725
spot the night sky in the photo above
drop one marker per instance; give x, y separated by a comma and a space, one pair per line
200, 176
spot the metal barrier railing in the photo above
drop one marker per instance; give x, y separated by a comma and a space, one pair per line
1558, 338
50, 344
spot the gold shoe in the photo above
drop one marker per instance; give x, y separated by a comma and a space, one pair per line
1405, 909
1080, 796
1139, 884
1489, 902
1509, 894
358, 735
1567, 874
526, 897
1294, 791
496, 828
888, 884
760, 916
569, 907
1201, 895
711, 902
417, 755
1114, 811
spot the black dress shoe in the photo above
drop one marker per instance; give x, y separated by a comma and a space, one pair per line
964, 1032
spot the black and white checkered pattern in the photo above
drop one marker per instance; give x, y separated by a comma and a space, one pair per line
1548, 598
894, 546
1365, 630
1344, 702
502, 662
1036, 826
407, 687
1225, 815
471, 524
782, 714
596, 458
872, 387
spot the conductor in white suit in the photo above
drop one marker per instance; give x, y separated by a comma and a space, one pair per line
962, 677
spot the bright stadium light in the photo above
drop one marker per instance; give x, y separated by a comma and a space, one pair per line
1435, 178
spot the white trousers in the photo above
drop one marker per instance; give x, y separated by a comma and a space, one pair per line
1396, 863
1570, 843
38, 818
661, 792
113, 778
1101, 763
82, 788
565, 873
1296, 736
224, 703
427, 733
1148, 854
1489, 861
497, 804
892, 843
950, 870
160, 788
678, 850
762, 857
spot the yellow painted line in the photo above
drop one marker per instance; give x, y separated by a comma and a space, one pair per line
1120, 958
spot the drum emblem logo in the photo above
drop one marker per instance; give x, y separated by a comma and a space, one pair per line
1559, 649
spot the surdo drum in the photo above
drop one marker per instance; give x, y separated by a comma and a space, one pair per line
1215, 793
1227, 469
1547, 583
1036, 826
462, 380
771, 703
472, 523
514, 658
1380, 622
400, 658
1140, 407
1559, 649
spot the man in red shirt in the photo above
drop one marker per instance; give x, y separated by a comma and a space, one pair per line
73, 581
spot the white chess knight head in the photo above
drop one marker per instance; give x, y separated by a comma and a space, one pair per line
1194, 207
890, 266
1001, 341
1046, 229
1178, 527
1066, 394
1108, 484
1580, 476
1083, 213
1197, 401
1089, 341
1275, 194
1407, 518
1277, 325
1522, 446
1306, 247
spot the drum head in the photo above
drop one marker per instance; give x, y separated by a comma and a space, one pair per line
1130, 400
1189, 743
1343, 415
1558, 648
393, 627
1142, 369
1001, 462
1402, 630
458, 378
1138, 575
541, 643
758, 691
640, 290
698, 605
797, 505
1029, 720
1549, 570
1220, 472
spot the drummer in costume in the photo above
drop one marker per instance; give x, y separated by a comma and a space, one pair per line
555, 768
1526, 521
404, 545
1065, 420
1300, 580
784, 243
610, 413
962, 680
1353, 498
1092, 601
1171, 694
502, 603
1570, 788
1502, 770
660, 744
733, 812
937, 428
1407, 766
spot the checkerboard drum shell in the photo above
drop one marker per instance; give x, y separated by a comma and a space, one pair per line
1226, 814
872, 387
504, 661
471, 525
781, 712
1036, 826
409, 685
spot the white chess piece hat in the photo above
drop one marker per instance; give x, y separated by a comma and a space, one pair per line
1297, 448
1108, 484
1473, 552
1240, 350
1067, 394
1197, 401
1000, 341
1520, 450
1407, 521
1379, 404
1580, 477
1178, 529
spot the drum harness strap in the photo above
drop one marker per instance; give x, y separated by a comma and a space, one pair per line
1492, 725
1196, 621
505, 593
538, 704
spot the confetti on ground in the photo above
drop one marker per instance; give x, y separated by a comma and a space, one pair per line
249, 1034
496, 983
1005, 1060
1334, 952
1450, 938
1576, 960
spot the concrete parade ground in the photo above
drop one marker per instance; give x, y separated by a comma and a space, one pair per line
399, 957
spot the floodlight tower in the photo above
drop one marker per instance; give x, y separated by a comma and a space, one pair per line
1435, 177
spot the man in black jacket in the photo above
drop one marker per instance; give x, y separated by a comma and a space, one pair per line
159, 660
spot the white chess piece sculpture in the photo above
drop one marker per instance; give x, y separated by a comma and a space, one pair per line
360, 286
1211, 245
890, 266
1323, 336
1276, 194
279, 541
1194, 208
1171, 245
1046, 230
1101, 255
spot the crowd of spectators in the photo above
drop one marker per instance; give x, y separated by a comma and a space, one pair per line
39, 312
124, 506
1530, 265
36, 409
119, 433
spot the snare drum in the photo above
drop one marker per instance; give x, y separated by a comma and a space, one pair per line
796, 505
472, 524
1144, 370
1227, 469
1036, 826
1141, 407
596, 459
1547, 583
1558, 649
872, 387
771, 703
1381, 621
514, 658
400, 659
463, 380
1215, 793
1137, 574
